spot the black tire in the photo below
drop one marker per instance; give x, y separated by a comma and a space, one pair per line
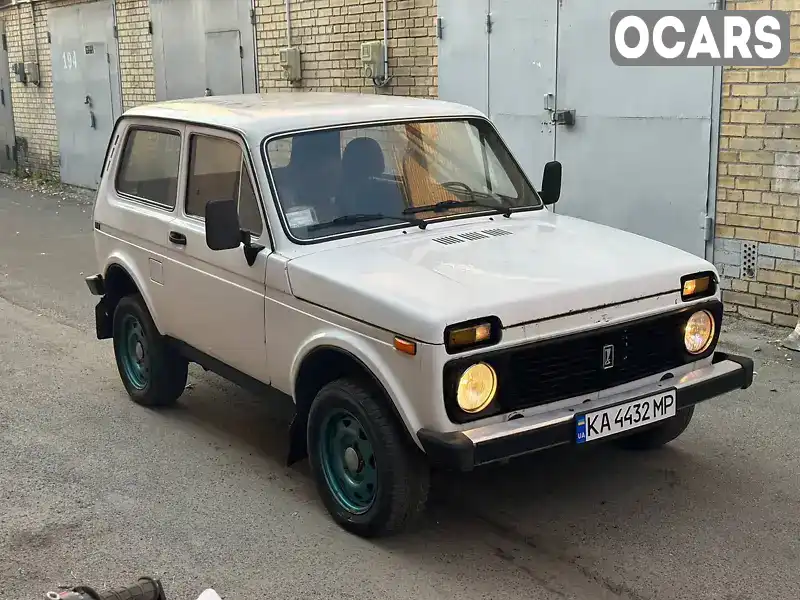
163, 380
659, 435
402, 474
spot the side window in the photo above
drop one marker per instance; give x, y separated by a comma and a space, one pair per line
217, 171
149, 166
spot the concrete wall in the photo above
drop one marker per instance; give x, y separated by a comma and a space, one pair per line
757, 246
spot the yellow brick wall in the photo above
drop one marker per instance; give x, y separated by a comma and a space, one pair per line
329, 34
758, 199
34, 109
137, 73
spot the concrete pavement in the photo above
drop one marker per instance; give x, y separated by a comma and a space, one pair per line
96, 490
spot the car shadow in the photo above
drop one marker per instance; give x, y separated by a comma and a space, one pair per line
562, 515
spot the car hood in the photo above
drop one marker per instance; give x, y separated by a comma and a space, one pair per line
529, 267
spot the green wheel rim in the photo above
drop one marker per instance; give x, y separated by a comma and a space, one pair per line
134, 352
348, 462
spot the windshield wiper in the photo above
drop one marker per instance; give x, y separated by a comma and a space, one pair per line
364, 218
448, 204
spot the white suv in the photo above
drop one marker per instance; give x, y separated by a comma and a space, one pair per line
386, 263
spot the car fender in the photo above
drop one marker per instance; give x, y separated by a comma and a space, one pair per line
368, 352
122, 259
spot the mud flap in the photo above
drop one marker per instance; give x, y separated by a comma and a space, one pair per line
103, 320
298, 447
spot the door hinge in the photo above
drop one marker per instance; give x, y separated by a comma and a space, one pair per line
252, 16
5, 42
49, 38
708, 228
150, 27
439, 27
241, 52
488, 23
116, 32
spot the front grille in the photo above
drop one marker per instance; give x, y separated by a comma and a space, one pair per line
570, 366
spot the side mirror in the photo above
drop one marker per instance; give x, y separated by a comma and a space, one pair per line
551, 182
223, 231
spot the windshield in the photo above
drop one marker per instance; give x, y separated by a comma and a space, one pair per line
348, 180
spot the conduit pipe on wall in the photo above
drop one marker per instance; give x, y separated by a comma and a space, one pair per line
288, 23
385, 42
384, 81
35, 38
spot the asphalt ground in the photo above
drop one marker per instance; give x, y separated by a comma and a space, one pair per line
96, 490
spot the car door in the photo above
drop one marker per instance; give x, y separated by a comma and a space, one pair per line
217, 299
141, 189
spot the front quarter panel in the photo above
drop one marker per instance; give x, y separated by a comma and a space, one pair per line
122, 256
297, 329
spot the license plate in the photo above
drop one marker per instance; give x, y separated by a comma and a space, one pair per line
624, 417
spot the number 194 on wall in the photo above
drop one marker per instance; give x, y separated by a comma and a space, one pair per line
624, 417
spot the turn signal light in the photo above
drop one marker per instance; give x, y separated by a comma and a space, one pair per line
470, 335
697, 286
473, 334
405, 346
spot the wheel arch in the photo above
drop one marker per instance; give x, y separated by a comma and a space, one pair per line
121, 278
320, 365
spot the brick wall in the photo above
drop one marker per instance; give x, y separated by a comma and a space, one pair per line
137, 73
34, 112
329, 34
757, 246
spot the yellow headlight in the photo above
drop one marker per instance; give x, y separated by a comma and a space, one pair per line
476, 388
699, 332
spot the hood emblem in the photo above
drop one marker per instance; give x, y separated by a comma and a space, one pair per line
608, 357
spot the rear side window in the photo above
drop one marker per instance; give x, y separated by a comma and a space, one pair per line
218, 172
149, 166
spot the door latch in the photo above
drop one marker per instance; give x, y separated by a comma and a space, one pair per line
564, 117
559, 117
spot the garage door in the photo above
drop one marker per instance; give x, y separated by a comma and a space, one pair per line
202, 47
638, 156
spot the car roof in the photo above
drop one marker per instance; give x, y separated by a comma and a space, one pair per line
259, 115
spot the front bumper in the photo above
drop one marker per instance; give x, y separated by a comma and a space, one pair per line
465, 450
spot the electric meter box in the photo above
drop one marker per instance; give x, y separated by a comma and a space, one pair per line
289, 59
372, 59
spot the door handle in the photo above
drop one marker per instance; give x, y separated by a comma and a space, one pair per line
177, 238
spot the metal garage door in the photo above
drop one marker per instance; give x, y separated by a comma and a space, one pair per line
86, 87
7, 136
639, 154
202, 47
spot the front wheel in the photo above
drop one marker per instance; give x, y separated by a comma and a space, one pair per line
659, 435
372, 480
